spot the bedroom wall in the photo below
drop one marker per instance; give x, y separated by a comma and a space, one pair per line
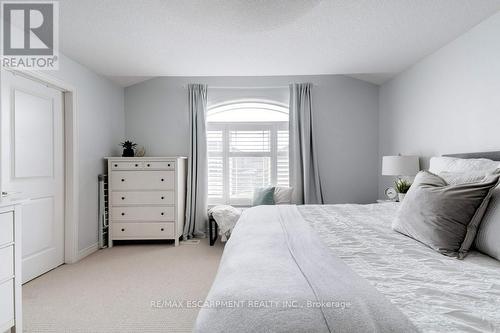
447, 103
346, 118
100, 108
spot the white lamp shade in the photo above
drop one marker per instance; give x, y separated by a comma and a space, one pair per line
400, 165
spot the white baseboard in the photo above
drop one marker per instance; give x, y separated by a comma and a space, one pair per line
87, 251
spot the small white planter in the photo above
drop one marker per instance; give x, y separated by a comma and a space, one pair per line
401, 196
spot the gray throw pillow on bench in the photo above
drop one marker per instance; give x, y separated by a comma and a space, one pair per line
444, 216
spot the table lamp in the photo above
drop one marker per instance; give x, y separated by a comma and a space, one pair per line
400, 167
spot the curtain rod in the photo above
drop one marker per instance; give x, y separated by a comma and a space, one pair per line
248, 87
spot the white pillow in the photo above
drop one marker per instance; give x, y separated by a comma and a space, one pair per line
453, 164
465, 177
283, 195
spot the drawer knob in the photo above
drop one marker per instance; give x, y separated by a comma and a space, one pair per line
116, 165
149, 165
162, 213
136, 165
123, 198
162, 198
123, 229
123, 214
162, 229
123, 179
162, 180
168, 164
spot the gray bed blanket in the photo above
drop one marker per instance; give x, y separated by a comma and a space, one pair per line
276, 276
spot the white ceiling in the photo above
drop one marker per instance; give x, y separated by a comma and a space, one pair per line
133, 40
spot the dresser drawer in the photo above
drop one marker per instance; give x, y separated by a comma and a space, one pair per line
142, 198
130, 165
6, 228
7, 302
6, 262
143, 213
142, 180
159, 165
143, 230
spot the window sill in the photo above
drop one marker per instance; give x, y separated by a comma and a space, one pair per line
223, 204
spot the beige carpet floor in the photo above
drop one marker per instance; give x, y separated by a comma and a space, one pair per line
112, 290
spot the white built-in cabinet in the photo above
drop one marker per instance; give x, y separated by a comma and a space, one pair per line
147, 197
10, 267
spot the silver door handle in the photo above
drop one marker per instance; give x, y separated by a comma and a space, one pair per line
6, 194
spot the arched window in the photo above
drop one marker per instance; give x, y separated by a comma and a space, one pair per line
248, 111
247, 149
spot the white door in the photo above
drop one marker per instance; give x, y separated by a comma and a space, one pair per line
32, 152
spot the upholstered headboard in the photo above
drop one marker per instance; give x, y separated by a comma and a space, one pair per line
492, 155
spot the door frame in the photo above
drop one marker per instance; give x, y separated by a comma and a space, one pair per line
71, 170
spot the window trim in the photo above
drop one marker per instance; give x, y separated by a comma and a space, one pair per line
260, 104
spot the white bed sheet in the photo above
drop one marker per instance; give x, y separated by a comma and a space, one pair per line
437, 293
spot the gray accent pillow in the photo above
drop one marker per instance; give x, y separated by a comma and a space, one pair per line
263, 196
488, 235
444, 216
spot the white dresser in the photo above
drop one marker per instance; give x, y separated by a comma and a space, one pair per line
10, 267
146, 197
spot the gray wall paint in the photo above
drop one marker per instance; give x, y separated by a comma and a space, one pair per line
447, 103
101, 127
346, 119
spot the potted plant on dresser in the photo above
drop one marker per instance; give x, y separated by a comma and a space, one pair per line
128, 148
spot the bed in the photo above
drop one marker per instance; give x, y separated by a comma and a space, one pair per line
340, 268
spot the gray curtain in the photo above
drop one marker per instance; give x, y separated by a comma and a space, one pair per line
304, 176
196, 201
